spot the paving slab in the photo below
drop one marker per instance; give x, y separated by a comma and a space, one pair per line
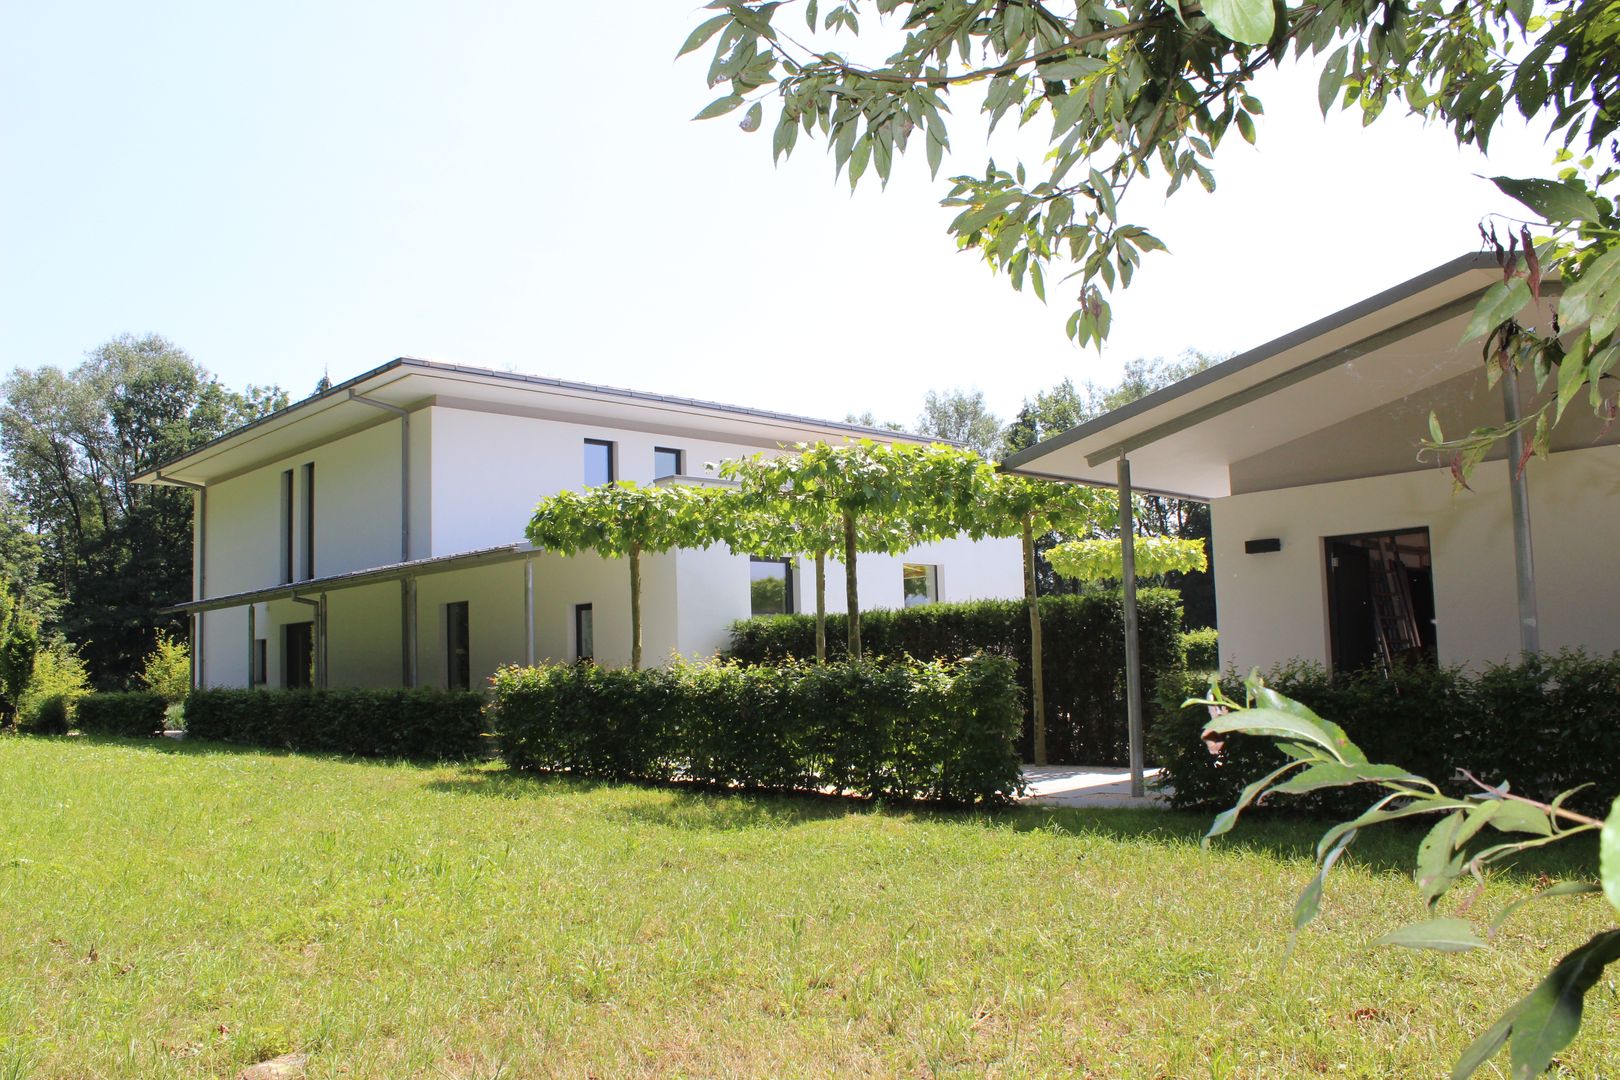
1087, 785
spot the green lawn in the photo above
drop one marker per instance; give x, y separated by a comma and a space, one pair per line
186, 910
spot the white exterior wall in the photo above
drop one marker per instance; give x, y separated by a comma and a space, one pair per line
1273, 607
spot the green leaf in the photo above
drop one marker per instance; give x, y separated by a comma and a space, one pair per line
1444, 935
1332, 774
1609, 855
1596, 296
751, 119
1249, 22
1563, 888
1554, 201
1515, 816
1500, 303
1437, 868
703, 33
1310, 900
1227, 818
1552, 1011
719, 107
1283, 725
1327, 87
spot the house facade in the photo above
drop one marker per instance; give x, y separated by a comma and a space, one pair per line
1334, 541
371, 535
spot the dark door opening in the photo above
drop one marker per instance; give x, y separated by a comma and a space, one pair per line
298, 655
1381, 600
458, 647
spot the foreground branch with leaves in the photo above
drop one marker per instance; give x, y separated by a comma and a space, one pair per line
1459, 846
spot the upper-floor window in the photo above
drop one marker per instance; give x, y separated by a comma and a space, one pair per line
309, 520
287, 545
920, 583
770, 588
598, 462
667, 462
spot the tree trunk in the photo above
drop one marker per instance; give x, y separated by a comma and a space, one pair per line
1037, 682
852, 597
635, 607
821, 607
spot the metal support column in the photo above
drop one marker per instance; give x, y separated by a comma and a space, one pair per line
407, 631
322, 670
528, 611
1133, 652
1519, 489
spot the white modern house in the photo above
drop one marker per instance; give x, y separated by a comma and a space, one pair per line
371, 535
1333, 542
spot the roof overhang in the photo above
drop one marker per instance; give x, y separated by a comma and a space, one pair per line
410, 384
1184, 438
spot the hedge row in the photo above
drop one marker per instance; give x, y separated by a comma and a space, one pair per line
1083, 652
936, 730
365, 723
1544, 725
134, 714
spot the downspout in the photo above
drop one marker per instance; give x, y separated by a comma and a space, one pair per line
1524, 565
404, 469
1133, 648
199, 574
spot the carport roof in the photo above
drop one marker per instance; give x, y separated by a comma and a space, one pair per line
1182, 440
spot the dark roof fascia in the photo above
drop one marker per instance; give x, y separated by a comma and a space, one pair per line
341, 391
1360, 310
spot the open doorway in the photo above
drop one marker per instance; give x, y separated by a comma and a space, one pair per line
1381, 599
298, 655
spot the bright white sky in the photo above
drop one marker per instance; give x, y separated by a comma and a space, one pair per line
285, 189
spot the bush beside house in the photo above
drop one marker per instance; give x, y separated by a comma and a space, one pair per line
427, 724
1547, 724
134, 714
937, 730
1083, 661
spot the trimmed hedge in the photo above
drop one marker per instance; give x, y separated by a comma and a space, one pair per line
134, 714
365, 723
1083, 651
1544, 725
1203, 649
941, 731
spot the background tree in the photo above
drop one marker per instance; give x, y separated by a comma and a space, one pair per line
113, 550
1003, 504
19, 645
1142, 91
961, 416
624, 521
868, 420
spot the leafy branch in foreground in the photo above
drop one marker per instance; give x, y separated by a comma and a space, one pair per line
1461, 844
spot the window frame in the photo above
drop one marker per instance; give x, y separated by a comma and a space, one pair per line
581, 613
680, 461
288, 544
309, 520
930, 577
789, 568
612, 449
452, 666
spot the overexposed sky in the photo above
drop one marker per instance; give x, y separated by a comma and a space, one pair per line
304, 187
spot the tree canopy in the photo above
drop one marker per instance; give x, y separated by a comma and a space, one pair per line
961, 416
1104, 559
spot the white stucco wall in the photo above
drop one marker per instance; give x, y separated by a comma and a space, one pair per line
1273, 607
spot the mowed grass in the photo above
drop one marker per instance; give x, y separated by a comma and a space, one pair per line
186, 910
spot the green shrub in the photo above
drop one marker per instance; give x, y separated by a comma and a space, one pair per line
167, 670
1547, 724
938, 730
1202, 648
1083, 651
425, 724
58, 681
134, 714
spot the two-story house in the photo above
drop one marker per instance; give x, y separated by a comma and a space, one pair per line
371, 535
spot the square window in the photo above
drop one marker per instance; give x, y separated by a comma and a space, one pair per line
598, 463
920, 583
770, 587
667, 462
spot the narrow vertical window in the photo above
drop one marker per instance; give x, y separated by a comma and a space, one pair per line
668, 462
298, 655
598, 463
457, 647
287, 527
261, 662
584, 633
309, 520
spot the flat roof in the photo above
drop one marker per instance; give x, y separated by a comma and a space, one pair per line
410, 382
1183, 438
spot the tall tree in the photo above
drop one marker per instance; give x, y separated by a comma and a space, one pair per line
1134, 88
961, 416
73, 443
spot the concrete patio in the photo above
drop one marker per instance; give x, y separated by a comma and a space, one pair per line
1086, 785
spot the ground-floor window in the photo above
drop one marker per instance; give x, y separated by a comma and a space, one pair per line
259, 666
920, 582
1380, 599
584, 633
298, 655
457, 647
770, 586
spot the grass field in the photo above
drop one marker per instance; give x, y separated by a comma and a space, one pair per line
186, 910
